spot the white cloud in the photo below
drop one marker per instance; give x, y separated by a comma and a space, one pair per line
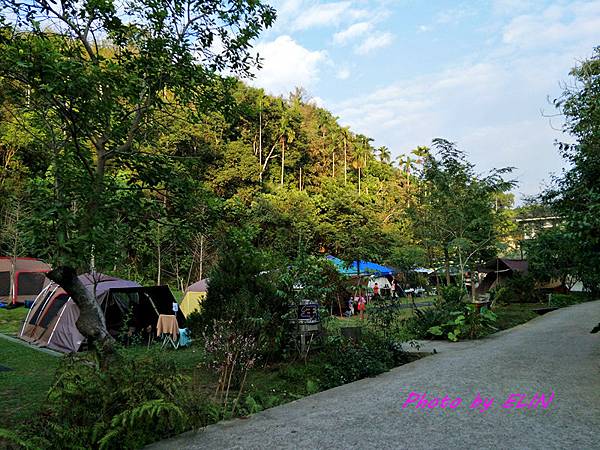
556, 24
454, 15
491, 110
343, 73
287, 65
352, 32
512, 7
325, 14
374, 42
288, 7
301, 15
492, 103
424, 28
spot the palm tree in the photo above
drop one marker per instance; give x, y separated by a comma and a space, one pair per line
287, 136
346, 136
406, 163
334, 137
385, 155
421, 152
361, 153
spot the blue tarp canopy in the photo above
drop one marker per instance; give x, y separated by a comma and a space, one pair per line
366, 268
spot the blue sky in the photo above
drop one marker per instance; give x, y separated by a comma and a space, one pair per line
403, 72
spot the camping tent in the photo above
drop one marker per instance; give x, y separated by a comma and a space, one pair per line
194, 295
498, 271
28, 280
382, 282
126, 305
365, 268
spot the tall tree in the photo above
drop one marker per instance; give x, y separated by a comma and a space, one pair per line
457, 211
384, 154
96, 73
577, 194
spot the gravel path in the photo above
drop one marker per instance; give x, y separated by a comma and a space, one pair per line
552, 353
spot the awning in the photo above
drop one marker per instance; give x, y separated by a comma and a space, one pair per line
365, 267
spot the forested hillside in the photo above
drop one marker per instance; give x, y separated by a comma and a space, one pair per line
105, 166
282, 168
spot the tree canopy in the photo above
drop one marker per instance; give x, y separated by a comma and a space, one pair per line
132, 145
576, 196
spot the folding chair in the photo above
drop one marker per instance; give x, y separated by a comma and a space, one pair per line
168, 339
166, 328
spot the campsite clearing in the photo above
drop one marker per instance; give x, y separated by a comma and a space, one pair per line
11, 320
26, 384
515, 314
32, 372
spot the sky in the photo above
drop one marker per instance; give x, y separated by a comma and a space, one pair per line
480, 73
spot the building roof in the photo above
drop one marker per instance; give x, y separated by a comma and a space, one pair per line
516, 265
505, 264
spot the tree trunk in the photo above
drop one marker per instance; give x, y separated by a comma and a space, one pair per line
345, 161
201, 255
447, 265
158, 255
333, 164
282, 158
12, 287
260, 143
91, 321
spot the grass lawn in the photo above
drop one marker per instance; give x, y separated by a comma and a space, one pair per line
11, 320
337, 322
25, 386
515, 314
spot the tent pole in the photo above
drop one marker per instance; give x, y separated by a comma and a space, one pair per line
45, 304
59, 317
31, 307
153, 305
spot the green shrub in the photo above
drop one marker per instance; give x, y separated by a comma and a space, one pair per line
562, 300
522, 288
450, 318
312, 387
382, 317
468, 322
501, 296
417, 326
451, 296
449, 301
130, 404
346, 361
196, 324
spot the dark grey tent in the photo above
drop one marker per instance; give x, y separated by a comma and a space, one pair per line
126, 306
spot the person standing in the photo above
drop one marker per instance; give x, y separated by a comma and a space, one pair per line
362, 306
376, 290
351, 306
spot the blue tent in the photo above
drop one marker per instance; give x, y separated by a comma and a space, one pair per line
365, 267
